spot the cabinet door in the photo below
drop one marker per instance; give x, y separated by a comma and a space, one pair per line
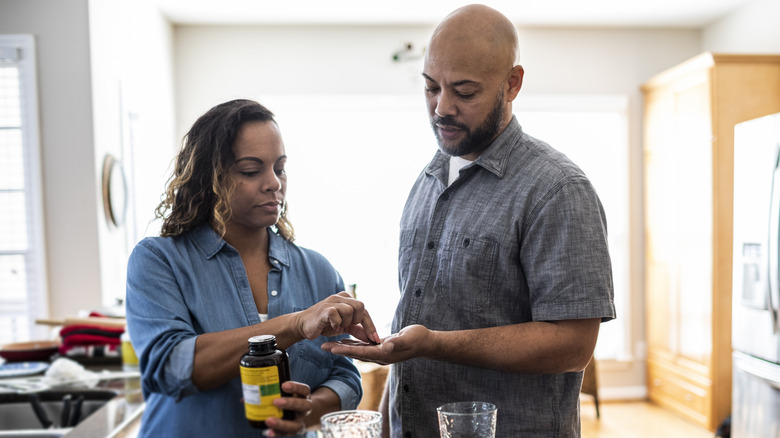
660, 218
693, 301
678, 189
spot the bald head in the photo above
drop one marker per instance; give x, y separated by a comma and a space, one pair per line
478, 32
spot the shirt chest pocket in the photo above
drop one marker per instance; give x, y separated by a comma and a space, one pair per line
466, 270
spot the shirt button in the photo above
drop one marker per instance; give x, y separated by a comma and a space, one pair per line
466, 242
274, 293
430, 245
417, 292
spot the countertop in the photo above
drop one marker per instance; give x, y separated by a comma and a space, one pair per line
120, 417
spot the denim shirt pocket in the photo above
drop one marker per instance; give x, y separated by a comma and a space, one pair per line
466, 270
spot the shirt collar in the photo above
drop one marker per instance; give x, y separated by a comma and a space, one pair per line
210, 243
494, 159
278, 248
207, 240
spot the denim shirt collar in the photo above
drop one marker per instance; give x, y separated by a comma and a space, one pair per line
278, 248
209, 243
494, 159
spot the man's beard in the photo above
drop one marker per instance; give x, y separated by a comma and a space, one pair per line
474, 142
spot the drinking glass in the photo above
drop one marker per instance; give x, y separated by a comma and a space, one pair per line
352, 424
471, 419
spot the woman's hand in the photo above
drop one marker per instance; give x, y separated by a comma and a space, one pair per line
299, 402
337, 315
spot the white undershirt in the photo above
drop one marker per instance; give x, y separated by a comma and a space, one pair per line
263, 317
456, 163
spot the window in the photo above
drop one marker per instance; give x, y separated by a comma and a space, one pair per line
22, 270
353, 160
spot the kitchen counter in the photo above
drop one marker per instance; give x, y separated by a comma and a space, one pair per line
120, 417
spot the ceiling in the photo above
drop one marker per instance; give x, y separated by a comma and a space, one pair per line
580, 13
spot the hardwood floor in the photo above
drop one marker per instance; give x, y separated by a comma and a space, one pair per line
635, 419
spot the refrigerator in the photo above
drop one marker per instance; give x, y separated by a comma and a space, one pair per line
756, 288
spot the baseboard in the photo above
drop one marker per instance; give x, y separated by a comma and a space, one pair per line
621, 393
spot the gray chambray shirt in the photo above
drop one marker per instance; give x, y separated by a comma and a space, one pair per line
520, 236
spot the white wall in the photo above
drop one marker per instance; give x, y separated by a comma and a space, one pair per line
755, 28
218, 63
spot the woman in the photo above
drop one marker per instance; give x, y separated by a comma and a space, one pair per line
224, 269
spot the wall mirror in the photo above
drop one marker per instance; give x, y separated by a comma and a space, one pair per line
114, 191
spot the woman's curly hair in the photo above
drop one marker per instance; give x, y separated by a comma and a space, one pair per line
200, 187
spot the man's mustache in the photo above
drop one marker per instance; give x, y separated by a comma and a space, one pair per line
448, 121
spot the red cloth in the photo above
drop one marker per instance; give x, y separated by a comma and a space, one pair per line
90, 340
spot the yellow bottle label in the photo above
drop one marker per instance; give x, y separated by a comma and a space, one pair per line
261, 387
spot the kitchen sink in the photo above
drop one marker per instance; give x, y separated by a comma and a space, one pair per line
47, 414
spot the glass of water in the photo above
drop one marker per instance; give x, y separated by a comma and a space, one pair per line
471, 419
352, 424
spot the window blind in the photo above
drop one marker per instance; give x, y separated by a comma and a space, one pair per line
22, 272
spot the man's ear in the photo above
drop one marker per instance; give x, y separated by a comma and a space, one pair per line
515, 82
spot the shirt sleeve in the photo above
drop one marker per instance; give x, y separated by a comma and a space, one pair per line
345, 381
159, 324
567, 251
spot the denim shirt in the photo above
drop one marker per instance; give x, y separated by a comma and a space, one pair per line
181, 287
519, 236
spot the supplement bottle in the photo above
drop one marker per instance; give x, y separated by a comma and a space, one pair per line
263, 370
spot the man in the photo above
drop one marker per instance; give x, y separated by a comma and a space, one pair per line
504, 270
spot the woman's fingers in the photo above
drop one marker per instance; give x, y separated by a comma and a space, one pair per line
369, 328
360, 316
298, 400
338, 314
296, 388
279, 427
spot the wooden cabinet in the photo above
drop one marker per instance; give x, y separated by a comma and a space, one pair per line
690, 113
